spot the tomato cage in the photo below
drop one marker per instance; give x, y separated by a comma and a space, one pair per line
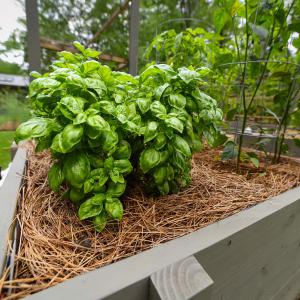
260, 100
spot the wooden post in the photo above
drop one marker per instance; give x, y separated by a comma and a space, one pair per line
183, 280
133, 37
33, 35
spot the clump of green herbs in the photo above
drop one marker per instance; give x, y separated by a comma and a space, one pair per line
102, 126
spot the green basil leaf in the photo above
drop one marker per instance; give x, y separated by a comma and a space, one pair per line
181, 146
90, 66
115, 176
160, 174
42, 83
115, 209
188, 75
55, 177
100, 221
35, 128
123, 150
170, 173
98, 123
164, 188
151, 131
109, 163
100, 175
175, 123
43, 143
76, 168
74, 105
149, 159
159, 110
96, 161
88, 210
65, 141
98, 199
160, 141
179, 161
110, 140
88, 185
143, 104
80, 119
116, 189
177, 101
76, 195
162, 91
123, 166
79, 47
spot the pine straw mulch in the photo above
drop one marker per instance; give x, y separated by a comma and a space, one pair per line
55, 245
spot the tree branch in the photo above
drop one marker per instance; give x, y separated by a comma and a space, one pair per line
108, 23
61, 46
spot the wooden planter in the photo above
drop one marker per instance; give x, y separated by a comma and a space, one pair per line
254, 254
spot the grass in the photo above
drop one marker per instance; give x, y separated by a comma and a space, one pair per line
13, 107
6, 138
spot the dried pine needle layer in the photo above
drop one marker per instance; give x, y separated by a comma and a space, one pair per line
56, 246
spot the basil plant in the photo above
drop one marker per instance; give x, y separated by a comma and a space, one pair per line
103, 126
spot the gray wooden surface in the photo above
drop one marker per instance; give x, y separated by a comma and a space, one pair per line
33, 35
8, 201
182, 280
251, 255
134, 37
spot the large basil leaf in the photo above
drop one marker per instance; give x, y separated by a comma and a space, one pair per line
116, 189
177, 101
100, 221
123, 166
34, 128
175, 123
181, 146
123, 150
71, 106
149, 159
114, 208
158, 109
110, 140
98, 123
76, 168
55, 177
65, 141
188, 75
143, 104
160, 174
89, 209
151, 131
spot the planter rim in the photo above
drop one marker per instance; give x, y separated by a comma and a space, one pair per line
135, 271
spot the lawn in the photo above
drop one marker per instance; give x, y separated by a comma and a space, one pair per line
6, 138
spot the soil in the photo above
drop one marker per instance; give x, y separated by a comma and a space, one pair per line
55, 245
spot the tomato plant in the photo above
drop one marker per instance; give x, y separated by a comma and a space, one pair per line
101, 126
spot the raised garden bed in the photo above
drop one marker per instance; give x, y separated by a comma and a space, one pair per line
248, 251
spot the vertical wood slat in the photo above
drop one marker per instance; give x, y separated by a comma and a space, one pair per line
33, 35
133, 37
182, 280
9, 193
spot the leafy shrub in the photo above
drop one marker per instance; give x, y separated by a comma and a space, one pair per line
102, 126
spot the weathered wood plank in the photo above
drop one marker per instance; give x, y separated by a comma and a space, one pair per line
182, 280
9, 193
123, 276
255, 262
